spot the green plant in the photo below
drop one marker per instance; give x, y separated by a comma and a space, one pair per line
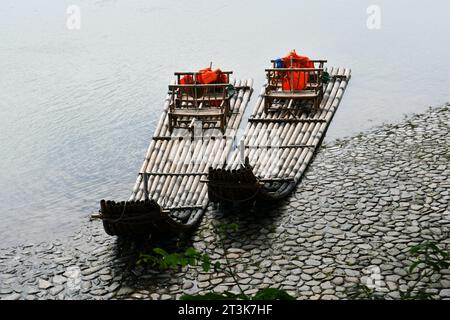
223, 231
362, 292
429, 259
434, 258
164, 260
272, 294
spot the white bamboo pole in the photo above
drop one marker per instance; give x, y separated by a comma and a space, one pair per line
197, 185
152, 147
294, 155
202, 196
299, 169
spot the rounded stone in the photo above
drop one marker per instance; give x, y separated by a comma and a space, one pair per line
338, 281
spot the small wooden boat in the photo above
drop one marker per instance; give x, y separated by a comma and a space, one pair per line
291, 116
196, 130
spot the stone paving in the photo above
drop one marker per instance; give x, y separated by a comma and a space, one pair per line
362, 204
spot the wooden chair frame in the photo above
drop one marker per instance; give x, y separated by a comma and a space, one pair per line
208, 103
311, 76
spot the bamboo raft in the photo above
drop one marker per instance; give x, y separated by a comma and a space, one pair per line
279, 142
169, 196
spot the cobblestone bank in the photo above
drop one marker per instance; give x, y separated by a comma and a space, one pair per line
362, 204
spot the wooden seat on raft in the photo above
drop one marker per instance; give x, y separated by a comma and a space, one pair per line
296, 84
208, 104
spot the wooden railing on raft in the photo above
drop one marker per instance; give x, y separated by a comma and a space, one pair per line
318, 63
310, 77
312, 89
207, 103
180, 75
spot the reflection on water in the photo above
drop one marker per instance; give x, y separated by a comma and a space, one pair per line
78, 107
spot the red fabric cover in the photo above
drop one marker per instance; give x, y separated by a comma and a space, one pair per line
187, 79
206, 76
296, 80
221, 77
